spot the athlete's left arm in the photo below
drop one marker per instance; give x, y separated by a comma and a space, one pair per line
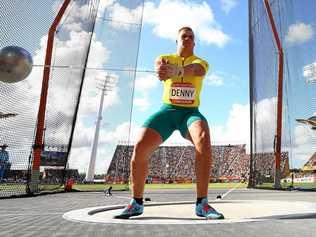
194, 69
197, 68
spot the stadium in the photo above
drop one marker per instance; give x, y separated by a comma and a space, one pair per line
175, 164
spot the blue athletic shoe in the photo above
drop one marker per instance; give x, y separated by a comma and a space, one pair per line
132, 209
203, 209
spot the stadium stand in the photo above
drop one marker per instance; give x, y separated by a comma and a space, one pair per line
57, 175
264, 166
176, 164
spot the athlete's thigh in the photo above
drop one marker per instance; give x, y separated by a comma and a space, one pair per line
149, 138
199, 131
162, 123
193, 124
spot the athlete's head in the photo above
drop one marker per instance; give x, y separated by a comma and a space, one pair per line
185, 39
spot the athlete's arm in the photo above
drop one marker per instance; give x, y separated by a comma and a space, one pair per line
165, 70
194, 69
161, 67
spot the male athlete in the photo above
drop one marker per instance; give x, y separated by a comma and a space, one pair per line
182, 75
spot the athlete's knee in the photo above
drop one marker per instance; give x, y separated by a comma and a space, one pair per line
202, 141
141, 150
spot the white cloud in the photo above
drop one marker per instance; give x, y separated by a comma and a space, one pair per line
104, 5
91, 95
123, 132
302, 135
228, 5
108, 139
81, 156
79, 14
98, 54
69, 51
176, 139
302, 148
146, 83
237, 131
67, 54
142, 103
79, 17
120, 17
214, 79
123, 17
83, 135
237, 128
301, 145
299, 33
166, 21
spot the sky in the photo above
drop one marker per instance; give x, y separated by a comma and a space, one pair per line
221, 29
124, 46
225, 96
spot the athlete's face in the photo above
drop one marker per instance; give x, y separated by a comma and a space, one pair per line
186, 39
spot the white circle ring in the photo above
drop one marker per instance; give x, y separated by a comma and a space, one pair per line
183, 212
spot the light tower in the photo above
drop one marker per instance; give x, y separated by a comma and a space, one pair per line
309, 72
104, 85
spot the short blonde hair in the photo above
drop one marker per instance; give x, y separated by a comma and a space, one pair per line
185, 28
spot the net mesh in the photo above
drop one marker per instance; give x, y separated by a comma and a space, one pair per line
295, 23
26, 24
112, 60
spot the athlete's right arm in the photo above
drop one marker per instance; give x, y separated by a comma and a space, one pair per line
161, 68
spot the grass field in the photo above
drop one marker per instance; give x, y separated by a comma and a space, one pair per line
7, 187
98, 187
90, 187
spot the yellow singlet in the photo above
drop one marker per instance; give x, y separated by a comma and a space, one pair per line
183, 91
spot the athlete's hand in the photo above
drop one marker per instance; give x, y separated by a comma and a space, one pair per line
165, 70
161, 69
174, 70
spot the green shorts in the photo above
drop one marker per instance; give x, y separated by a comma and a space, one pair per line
170, 118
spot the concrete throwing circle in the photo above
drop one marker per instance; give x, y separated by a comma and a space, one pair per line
183, 212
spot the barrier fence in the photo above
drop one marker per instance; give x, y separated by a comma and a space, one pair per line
282, 90
37, 137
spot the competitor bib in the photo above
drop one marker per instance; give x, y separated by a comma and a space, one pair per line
182, 93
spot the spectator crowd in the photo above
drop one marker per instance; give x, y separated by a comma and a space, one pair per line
170, 164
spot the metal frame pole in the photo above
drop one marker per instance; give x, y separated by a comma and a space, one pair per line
278, 136
38, 145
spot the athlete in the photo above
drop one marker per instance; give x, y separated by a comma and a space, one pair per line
182, 75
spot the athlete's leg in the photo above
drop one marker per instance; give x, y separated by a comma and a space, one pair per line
155, 130
199, 135
148, 141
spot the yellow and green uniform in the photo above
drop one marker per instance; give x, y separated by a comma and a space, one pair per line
183, 91
181, 99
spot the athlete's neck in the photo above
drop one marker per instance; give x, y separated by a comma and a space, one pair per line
184, 53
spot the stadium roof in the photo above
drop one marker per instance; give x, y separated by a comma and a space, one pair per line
311, 163
310, 121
